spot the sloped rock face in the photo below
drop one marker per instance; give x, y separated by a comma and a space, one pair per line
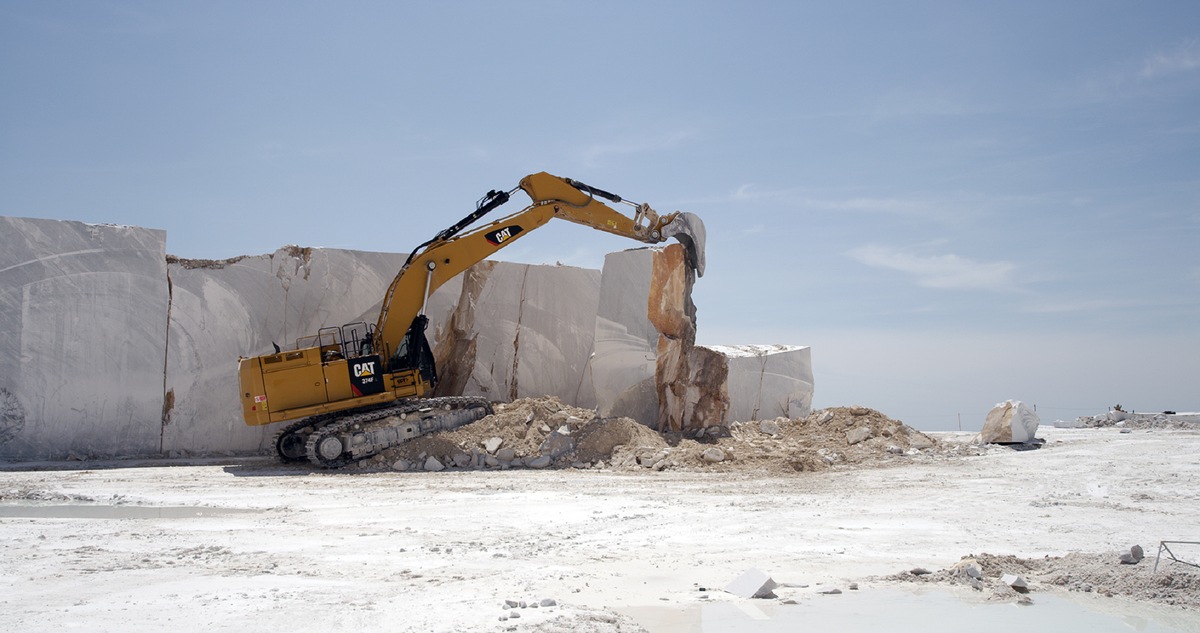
83, 320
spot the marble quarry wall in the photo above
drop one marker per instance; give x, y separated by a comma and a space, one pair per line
111, 348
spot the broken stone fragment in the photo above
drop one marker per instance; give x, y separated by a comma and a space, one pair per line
557, 444
854, 436
539, 462
432, 464
754, 583
506, 454
493, 444
1016, 582
713, 455
1133, 556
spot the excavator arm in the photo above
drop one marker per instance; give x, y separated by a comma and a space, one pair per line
451, 252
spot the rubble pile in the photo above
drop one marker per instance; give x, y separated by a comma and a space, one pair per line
1006, 577
1127, 420
545, 433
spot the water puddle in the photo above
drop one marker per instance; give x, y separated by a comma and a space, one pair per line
89, 511
925, 612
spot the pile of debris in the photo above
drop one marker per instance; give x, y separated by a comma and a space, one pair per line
1108, 574
1128, 420
545, 433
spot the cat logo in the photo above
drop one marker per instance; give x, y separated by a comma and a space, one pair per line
364, 370
500, 236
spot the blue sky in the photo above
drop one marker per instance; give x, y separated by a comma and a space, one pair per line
953, 203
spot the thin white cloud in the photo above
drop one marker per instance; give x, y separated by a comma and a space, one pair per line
594, 154
947, 272
859, 204
1082, 305
1183, 58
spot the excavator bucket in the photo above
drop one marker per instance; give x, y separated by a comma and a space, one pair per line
688, 228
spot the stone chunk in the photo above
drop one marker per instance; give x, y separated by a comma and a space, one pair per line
1133, 556
556, 445
1016, 582
753, 583
492, 444
713, 455
433, 465
854, 436
1010, 422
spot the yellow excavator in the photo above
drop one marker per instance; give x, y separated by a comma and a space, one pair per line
355, 390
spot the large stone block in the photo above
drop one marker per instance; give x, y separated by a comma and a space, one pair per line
1010, 422
521, 330
82, 338
768, 381
625, 353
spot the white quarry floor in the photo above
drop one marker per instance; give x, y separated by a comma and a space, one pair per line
250, 546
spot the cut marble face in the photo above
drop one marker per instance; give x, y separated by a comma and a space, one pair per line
113, 348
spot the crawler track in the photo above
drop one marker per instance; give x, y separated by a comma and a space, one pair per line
334, 440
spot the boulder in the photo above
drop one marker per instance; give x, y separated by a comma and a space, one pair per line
1010, 422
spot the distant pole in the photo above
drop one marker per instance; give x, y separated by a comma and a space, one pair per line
960, 422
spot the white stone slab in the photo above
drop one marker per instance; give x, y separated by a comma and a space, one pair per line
623, 361
768, 381
522, 330
83, 316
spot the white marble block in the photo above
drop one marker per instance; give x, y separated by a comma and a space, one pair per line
83, 320
768, 381
1010, 422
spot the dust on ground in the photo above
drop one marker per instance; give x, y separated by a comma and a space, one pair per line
545, 433
1174, 583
